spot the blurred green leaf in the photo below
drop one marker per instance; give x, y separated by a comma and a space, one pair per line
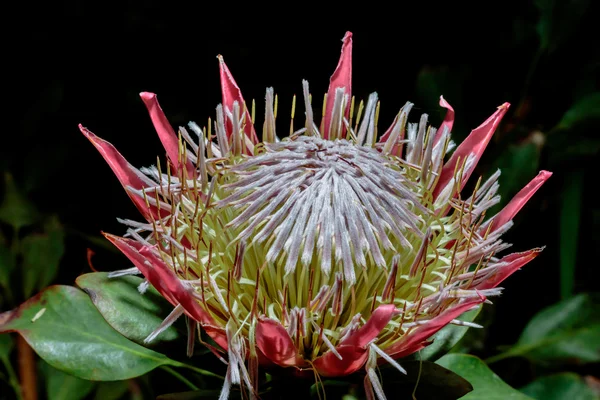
563, 149
587, 108
6, 345
64, 328
559, 19
7, 265
62, 386
486, 384
570, 215
574, 137
447, 337
111, 390
559, 387
16, 210
132, 314
567, 332
41, 257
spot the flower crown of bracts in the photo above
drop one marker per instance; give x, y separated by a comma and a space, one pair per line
327, 250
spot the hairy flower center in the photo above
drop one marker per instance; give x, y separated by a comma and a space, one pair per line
318, 234
333, 200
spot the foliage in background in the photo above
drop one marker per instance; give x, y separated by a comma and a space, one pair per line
557, 351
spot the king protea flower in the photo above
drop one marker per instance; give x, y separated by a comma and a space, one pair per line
328, 249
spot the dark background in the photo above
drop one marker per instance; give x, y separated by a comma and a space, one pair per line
85, 62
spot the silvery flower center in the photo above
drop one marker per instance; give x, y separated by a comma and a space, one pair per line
331, 201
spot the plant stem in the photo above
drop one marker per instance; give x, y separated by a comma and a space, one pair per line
180, 377
197, 370
498, 357
12, 377
27, 371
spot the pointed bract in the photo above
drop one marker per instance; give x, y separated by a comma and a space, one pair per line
125, 172
416, 339
353, 359
354, 349
341, 78
379, 319
275, 343
474, 145
506, 267
232, 93
168, 284
165, 131
448, 122
514, 206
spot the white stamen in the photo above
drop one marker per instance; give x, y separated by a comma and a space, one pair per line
465, 323
171, 318
124, 272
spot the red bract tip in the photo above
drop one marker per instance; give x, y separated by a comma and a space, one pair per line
168, 284
166, 134
507, 266
417, 338
275, 343
354, 349
341, 78
129, 176
517, 202
232, 93
448, 119
474, 145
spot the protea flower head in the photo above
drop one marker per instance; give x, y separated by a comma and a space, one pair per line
327, 250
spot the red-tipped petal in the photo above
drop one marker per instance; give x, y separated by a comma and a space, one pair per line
474, 144
415, 340
169, 281
342, 77
275, 343
128, 175
369, 331
131, 249
165, 131
231, 93
511, 263
354, 348
353, 358
397, 148
448, 119
168, 284
517, 202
